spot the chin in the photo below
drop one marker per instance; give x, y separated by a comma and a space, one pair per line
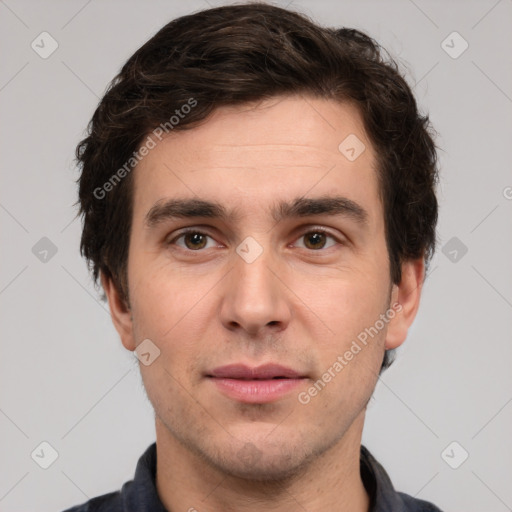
263, 462
269, 468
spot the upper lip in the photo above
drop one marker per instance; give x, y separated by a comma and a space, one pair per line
265, 371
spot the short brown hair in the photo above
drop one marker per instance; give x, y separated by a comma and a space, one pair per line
237, 54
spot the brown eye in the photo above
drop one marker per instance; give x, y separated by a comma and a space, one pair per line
317, 239
194, 241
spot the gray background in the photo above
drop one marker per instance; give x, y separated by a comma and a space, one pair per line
65, 378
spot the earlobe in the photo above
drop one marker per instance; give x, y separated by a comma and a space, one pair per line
405, 300
120, 313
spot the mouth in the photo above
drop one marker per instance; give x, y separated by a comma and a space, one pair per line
261, 384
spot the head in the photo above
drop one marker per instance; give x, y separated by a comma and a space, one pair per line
298, 159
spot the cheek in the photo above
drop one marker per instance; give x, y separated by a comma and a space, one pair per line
346, 303
350, 337
168, 316
163, 298
350, 356
174, 312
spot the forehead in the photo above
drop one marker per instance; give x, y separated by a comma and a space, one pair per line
255, 154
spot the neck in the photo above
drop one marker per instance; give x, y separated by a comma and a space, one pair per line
330, 482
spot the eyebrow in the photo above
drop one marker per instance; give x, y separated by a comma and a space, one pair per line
300, 207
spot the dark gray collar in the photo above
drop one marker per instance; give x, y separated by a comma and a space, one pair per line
140, 494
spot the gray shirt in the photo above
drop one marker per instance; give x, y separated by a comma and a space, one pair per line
140, 495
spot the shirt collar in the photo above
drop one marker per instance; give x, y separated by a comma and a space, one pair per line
140, 495
377, 483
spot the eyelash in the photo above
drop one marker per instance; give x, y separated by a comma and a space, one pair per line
310, 230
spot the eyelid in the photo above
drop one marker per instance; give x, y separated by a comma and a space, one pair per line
191, 229
303, 230
319, 229
313, 228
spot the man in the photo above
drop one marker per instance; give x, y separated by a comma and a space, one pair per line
258, 202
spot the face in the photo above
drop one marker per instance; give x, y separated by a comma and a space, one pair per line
257, 300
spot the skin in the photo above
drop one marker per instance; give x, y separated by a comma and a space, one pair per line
295, 305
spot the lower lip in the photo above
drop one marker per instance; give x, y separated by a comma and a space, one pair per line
256, 391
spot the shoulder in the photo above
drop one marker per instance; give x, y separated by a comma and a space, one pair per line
138, 494
110, 502
415, 505
384, 497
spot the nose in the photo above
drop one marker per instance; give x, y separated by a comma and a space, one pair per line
255, 297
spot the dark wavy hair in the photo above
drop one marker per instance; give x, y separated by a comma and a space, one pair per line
242, 53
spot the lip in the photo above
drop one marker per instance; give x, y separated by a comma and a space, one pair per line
265, 371
260, 384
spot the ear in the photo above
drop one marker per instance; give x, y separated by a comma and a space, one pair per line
406, 295
120, 312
